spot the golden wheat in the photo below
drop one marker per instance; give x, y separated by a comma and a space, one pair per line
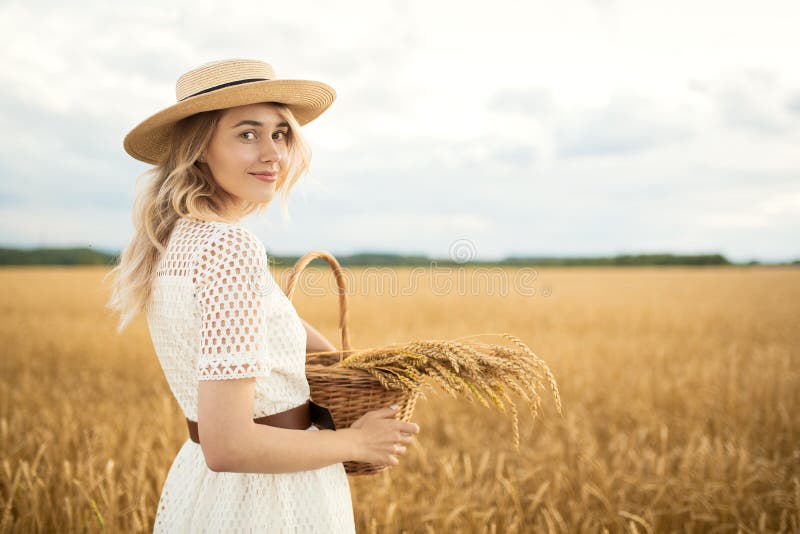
680, 391
481, 369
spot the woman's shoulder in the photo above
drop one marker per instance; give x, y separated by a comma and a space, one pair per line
228, 252
217, 242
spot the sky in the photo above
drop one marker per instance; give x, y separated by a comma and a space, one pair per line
507, 128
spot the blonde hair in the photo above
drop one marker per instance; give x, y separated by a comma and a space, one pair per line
181, 187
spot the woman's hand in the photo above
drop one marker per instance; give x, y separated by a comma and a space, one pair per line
380, 438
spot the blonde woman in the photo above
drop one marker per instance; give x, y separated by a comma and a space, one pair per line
260, 456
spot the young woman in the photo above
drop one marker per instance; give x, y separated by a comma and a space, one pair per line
230, 343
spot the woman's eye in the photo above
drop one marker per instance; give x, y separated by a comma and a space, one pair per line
252, 132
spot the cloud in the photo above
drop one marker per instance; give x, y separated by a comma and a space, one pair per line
53, 158
751, 99
533, 102
517, 156
793, 104
626, 125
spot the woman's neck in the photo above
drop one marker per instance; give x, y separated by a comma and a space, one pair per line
232, 215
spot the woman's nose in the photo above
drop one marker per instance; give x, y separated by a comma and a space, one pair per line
271, 151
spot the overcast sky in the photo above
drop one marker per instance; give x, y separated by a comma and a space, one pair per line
519, 128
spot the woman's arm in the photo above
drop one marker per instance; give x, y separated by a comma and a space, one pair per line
316, 342
232, 442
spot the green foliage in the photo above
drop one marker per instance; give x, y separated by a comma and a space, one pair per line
55, 256
88, 256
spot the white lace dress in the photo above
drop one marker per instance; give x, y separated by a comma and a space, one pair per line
216, 313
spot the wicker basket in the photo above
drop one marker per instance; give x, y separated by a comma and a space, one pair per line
347, 393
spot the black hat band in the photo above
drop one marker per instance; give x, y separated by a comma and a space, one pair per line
237, 82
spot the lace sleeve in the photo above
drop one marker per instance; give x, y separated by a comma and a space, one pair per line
230, 297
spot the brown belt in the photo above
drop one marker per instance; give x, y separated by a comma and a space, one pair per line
298, 418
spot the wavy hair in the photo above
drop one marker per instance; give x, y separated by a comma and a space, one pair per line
180, 186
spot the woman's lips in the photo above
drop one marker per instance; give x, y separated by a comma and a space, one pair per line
265, 177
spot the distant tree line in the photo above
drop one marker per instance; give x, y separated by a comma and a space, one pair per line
55, 256
89, 256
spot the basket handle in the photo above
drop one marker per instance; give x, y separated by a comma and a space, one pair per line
337, 271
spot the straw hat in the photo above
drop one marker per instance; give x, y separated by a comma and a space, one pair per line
224, 84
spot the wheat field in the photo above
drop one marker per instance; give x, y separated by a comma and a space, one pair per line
680, 391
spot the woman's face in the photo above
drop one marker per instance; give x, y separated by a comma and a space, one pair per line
248, 142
